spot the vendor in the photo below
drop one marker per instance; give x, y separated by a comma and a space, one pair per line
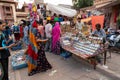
99, 32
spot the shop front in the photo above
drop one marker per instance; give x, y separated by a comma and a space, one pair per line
112, 12
114, 16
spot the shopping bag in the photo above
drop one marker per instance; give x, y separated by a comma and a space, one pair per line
66, 54
1, 72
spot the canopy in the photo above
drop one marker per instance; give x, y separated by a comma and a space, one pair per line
61, 10
96, 12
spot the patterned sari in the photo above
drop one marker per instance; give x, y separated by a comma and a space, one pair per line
32, 51
37, 61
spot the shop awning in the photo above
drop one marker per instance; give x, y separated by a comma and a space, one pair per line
96, 12
104, 5
109, 4
61, 10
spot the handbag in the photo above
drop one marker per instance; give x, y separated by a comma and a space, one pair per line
1, 71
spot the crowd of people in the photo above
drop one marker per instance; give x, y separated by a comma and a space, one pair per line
39, 35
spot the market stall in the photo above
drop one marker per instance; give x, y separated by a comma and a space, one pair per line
87, 48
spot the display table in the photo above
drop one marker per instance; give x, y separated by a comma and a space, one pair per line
83, 49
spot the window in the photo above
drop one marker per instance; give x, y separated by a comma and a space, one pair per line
8, 14
7, 8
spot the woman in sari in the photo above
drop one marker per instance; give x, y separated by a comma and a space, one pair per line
56, 38
37, 61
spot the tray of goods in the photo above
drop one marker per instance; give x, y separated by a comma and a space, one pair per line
18, 61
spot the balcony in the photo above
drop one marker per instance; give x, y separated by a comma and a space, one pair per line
22, 14
9, 17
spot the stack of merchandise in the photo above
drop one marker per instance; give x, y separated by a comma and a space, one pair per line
66, 54
86, 48
18, 61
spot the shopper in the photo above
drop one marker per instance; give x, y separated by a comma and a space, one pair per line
8, 34
56, 32
52, 17
16, 32
60, 18
48, 31
26, 29
37, 61
8, 31
40, 28
4, 51
21, 31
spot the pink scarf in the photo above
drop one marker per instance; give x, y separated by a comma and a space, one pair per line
55, 34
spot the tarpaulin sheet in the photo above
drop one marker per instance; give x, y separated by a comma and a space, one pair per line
97, 20
61, 10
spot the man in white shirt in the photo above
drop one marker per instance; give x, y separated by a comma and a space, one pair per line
79, 24
48, 32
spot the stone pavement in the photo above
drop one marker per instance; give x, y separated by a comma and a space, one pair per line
70, 69
114, 63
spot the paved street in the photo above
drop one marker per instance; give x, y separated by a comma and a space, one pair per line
70, 69
86, 28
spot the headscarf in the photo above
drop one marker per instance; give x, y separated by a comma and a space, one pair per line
55, 34
38, 6
34, 24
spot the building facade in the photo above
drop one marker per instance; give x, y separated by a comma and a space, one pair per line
22, 14
111, 9
8, 10
97, 2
